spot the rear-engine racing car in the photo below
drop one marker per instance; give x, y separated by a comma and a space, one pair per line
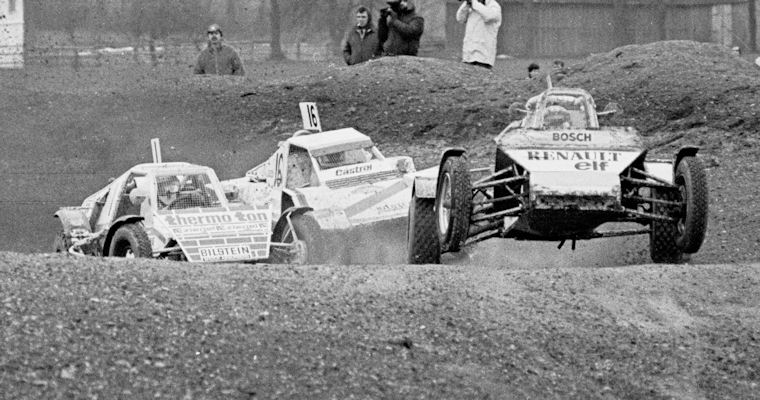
558, 175
334, 196
171, 210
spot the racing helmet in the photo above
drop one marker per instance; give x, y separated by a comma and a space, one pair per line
167, 185
556, 116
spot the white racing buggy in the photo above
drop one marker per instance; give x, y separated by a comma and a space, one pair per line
559, 176
169, 210
335, 197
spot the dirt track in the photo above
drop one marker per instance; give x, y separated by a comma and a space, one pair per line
117, 329
517, 320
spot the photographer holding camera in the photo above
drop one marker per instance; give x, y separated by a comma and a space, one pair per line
400, 28
482, 19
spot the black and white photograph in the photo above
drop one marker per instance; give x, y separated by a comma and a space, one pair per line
379, 199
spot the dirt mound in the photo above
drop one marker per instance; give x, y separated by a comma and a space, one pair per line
675, 85
667, 89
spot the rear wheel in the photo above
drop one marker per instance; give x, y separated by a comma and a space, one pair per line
422, 236
309, 246
692, 185
453, 203
663, 246
130, 241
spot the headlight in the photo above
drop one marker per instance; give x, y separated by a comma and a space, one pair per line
405, 165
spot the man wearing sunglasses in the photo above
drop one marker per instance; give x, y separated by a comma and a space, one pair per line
218, 58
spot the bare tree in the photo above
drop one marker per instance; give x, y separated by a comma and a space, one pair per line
752, 26
531, 28
73, 16
620, 23
275, 49
661, 16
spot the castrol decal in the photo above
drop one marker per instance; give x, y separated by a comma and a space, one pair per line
353, 170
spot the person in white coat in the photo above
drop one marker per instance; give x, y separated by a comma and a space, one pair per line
482, 19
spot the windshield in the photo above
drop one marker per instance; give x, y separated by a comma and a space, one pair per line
182, 191
346, 157
566, 111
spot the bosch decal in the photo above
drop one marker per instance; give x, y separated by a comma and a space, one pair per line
571, 137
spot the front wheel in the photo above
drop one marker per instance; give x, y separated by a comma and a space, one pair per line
307, 247
453, 203
130, 241
692, 222
423, 246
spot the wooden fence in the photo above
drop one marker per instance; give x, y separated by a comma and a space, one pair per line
581, 28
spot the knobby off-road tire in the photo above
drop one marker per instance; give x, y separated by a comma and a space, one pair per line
453, 203
423, 246
692, 184
131, 240
663, 247
61, 243
310, 246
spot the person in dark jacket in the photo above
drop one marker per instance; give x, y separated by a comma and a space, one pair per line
361, 43
400, 28
218, 58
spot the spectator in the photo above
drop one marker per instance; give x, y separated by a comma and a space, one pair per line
534, 71
558, 70
400, 28
218, 58
361, 43
482, 19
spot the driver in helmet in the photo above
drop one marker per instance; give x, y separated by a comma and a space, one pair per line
168, 191
556, 117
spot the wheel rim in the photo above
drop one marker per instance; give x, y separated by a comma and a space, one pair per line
300, 252
123, 249
682, 217
444, 208
128, 253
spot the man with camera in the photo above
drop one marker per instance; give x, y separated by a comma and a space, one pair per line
482, 19
400, 28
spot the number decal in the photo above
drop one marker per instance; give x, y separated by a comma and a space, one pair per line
310, 116
313, 115
278, 171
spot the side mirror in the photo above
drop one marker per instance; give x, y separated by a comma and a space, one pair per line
611, 108
137, 196
516, 111
255, 176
